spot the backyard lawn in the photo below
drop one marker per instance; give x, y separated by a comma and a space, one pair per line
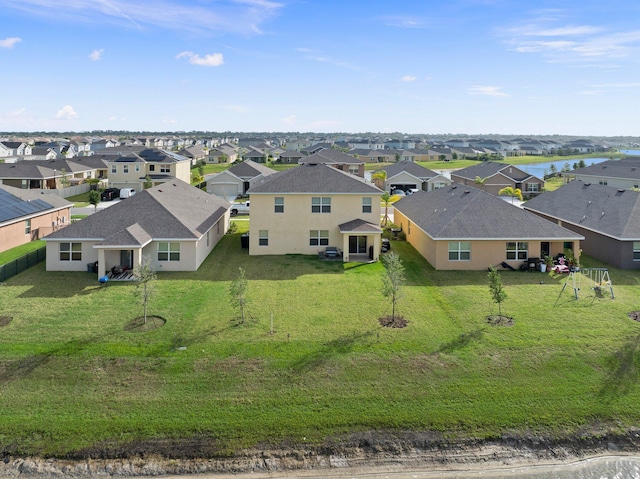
74, 378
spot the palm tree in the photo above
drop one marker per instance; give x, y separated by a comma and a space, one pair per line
386, 199
378, 178
510, 191
480, 181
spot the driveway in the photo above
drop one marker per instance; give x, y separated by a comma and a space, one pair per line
89, 210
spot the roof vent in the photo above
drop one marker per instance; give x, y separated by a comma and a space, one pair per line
589, 202
453, 187
466, 191
160, 191
602, 214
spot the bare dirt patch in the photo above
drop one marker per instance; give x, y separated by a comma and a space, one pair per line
635, 315
5, 320
139, 325
500, 320
393, 322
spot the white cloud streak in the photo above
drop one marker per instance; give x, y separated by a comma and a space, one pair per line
209, 60
404, 21
238, 16
408, 78
10, 42
486, 90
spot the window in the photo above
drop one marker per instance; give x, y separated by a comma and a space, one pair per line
114, 169
636, 251
319, 238
152, 167
439, 184
168, 251
165, 168
27, 226
354, 170
278, 204
321, 204
603, 182
517, 250
263, 238
137, 168
209, 231
532, 187
70, 251
409, 227
459, 250
366, 204
125, 169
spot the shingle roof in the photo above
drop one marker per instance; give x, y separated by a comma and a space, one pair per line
331, 156
314, 178
460, 212
628, 168
410, 167
250, 169
12, 207
359, 226
171, 210
490, 168
604, 209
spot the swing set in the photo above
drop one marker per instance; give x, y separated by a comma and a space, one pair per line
598, 280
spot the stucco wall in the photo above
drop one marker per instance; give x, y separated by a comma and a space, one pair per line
289, 231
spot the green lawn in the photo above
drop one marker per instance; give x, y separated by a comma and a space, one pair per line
18, 251
72, 377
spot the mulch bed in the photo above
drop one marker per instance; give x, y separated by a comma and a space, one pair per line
5, 320
635, 315
390, 322
138, 325
500, 320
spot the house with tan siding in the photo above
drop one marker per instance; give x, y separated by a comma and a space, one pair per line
305, 209
463, 228
175, 224
498, 176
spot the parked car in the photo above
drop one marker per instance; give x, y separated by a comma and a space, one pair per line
240, 208
110, 194
398, 192
127, 193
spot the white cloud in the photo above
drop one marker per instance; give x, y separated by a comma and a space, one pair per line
404, 21
96, 55
209, 60
66, 113
239, 16
9, 42
486, 90
408, 78
289, 120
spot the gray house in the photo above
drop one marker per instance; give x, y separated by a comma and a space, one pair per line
608, 218
237, 180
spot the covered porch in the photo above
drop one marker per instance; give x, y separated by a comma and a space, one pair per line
121, 253
361, 241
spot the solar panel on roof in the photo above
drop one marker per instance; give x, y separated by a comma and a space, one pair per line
12, 207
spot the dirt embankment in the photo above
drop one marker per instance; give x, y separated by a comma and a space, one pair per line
423, 451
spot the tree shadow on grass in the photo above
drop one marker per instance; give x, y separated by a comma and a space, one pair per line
461, 341
623, 370
339, 346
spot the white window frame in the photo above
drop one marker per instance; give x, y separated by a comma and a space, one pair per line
169, 251
125, 169
70, 251
321, 204
27, 226
517, 250
532, 188
114, 169
318, 237
165, 168
367, 204
278, 204
263, 238
461, 250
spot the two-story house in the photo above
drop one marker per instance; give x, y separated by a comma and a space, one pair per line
132, 169
336, 159
305, 209
492, 177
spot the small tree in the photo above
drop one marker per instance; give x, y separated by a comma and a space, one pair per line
393, 280
510, 191
238, 294
386, 199
498, 295
145, 274
64, 180
148, 183
94, 199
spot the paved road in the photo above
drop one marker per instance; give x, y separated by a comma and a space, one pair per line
89, 210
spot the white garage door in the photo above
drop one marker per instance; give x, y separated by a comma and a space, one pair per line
224, 190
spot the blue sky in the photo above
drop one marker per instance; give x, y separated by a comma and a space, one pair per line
438, 67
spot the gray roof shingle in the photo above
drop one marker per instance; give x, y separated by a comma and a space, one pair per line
314, 178
604, 209
461, 212
411, 168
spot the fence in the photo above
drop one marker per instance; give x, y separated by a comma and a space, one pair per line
69, 190
24, 262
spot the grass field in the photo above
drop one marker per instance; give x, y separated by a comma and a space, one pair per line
72, 377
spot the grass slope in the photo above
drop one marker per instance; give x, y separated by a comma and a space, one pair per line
71, 377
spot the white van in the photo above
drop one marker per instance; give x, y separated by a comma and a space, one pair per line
127, 193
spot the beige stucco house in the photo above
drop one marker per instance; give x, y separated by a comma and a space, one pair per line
305, 209
496, 176
463, 228
175, 224
131, 169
